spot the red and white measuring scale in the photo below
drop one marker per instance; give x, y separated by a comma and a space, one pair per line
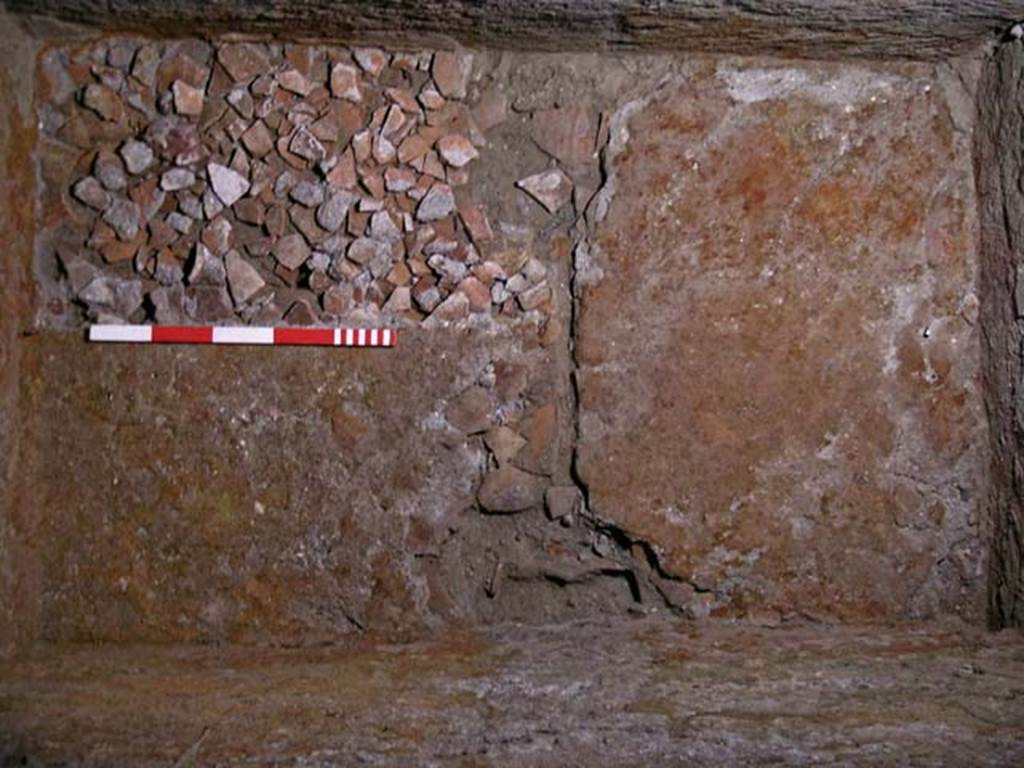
208, 334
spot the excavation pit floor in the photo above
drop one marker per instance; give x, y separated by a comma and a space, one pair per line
630, 693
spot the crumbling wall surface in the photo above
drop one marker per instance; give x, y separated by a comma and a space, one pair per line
778, 340
824, 29
999, 161
17, 137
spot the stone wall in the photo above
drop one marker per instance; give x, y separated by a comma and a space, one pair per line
999, 163
725, 359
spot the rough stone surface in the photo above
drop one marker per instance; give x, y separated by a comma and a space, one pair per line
1000, 159
778, 358
629, 694
826, 29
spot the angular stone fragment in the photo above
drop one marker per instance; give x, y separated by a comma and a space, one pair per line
241, 101
187, 99
294, 81
301, 313
491, 110
509, 489
307, 193
137, 156
451, 310
89, 191
345, 83
563, 502
535, 297
291, 251
209, 303
229, 185
438, 203
206, 268
552, 189
540, 428
399, 179
179, 222
400, 300
250, 211
471, 411
175, 179
114, 295
258, 139
243, 61
382, 227
456, 150
383, 149
243, 279
504, 443
307, 146
103, 101
451, 73
123, 215
479, 295
331, 215
431, 98
343, 174
109, 169
412, 148
474, 218
371, 60
337, 300
217, 235
363, 249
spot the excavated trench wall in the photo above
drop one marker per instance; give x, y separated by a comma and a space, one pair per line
693, 333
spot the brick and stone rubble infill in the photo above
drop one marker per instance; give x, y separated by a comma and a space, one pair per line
262, 183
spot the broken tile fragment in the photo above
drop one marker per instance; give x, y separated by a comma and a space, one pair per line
229, 185
552, 189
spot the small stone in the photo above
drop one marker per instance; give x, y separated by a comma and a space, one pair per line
179, 222
168, 268
393, 121
119, 297
207, 268
307, 193
451, 310
258, 139
291, 251
241, 101
517, 284
451, 73
243, 279
382, 227
504, 443
123, 216
137, 156
307, 146
436, 204
300, 313
383, 149
399, 179
209, 303
250, 211
331, 215
540, 429
243, 61
217, 236
168, 304
212, 206
478, 294
489, 271
404, 99
552, 189
508, 489
400, 300
563, 502
345, 83
470, 412
343, 174
337, 300
535, 297
534, 270
431, 98
294, 81
499, 293
229, 185
363, 249
474, 218
177, 178
109, 169
412, 148
145, 64
187, 100
371, 60
103, 101
89, 191
456, 150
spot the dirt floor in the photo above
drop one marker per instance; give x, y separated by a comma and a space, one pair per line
641, 692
